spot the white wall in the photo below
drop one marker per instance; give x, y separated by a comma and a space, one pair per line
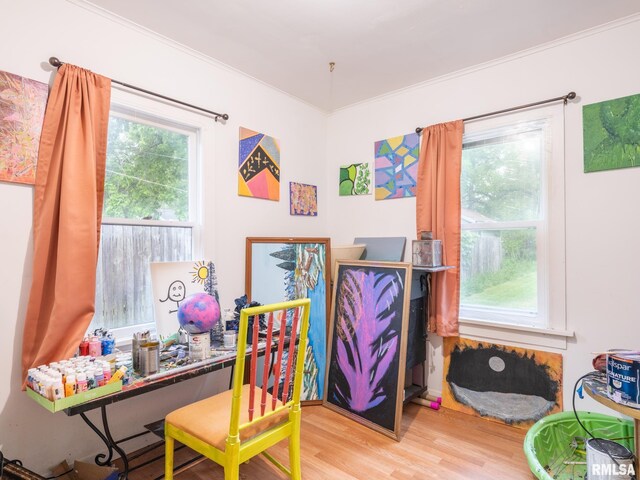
602, 231
33, 31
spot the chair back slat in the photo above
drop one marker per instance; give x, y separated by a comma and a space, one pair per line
278, 364
290, 356
254, 363
267, 361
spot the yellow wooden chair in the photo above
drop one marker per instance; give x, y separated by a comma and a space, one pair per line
229, 428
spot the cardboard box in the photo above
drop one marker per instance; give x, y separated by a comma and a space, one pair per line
85, 471
76, 399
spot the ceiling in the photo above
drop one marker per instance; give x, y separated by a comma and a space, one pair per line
377, 45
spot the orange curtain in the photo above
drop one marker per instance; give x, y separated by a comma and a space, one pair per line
438, 211
67, 214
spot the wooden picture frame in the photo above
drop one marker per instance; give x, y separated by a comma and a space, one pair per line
370, 310
287, 268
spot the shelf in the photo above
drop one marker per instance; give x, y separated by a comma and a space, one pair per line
441, 268
412, 392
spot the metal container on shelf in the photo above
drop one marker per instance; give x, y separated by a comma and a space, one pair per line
427, 253
149, 358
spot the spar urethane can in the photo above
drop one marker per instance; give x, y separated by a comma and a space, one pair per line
623, 378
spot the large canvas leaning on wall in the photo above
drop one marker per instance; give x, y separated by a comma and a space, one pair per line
280, 269
509, 385
611, 134
258, 165
396, 164
368, 343
22, 105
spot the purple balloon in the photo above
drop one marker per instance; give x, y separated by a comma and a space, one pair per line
198, 313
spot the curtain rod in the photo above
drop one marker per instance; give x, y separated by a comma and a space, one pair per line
54, 61
564, 98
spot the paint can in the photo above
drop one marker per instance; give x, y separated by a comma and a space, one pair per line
199, 346
623, 378
601, 465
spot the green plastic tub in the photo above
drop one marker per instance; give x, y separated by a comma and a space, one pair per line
555, 449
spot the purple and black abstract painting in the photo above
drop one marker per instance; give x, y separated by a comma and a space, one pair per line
366, 342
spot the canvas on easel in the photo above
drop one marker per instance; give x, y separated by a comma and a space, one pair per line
173, 282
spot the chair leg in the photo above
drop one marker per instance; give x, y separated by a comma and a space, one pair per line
231, 471
168, 458
294, 447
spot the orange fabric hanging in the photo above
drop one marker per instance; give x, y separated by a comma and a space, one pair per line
438, 211
67, 215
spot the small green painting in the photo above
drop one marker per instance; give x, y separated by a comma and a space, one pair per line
355, 179
612, 134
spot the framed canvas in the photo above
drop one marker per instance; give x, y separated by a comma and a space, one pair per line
172, 282
368, 343
280, 269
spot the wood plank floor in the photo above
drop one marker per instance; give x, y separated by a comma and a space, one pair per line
442, 444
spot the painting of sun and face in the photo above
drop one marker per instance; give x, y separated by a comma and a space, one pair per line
22, 105
397, 166
611, 134
505, 384
282, 269
258, 165
173, 282
303, 199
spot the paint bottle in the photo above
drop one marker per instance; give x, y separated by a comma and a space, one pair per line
108, 343
84, 347
57, 389
81, 382
95, 347
99, 376
106, 372
119, 373
91, 379
70, 385
48, 388
31, 374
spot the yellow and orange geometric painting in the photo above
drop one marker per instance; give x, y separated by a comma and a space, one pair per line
22, 105
258, 165
504, 384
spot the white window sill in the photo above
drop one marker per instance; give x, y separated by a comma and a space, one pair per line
500, 332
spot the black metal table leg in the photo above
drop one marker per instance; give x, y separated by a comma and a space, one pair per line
102, 459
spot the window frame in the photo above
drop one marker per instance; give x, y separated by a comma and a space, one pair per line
550, 328
154, 112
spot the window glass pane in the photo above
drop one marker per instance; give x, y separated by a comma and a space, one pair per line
501, 176
147, 172
123, 282
499, 269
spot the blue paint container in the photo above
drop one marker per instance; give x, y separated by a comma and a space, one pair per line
623, 378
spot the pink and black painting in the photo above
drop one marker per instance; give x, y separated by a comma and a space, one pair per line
367, 344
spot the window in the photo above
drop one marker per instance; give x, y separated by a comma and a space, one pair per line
150, 211
512, 245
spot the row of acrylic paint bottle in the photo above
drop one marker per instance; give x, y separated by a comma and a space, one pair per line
100, 343
69, 377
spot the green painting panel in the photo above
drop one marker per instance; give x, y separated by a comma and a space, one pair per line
355, 179
612, 134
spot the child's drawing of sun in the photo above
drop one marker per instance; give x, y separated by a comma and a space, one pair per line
200, 272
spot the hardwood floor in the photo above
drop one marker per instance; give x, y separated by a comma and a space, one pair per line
442, 444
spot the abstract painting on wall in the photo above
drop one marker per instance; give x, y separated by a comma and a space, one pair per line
397, 166
281, 269
258, 165
368, 343
173, 282
509, 385
611, 134
355, 179
22, 105
303, 199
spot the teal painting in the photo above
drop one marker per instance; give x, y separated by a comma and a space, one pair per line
612, 134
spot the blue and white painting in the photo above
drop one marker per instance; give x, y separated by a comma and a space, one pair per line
282, 271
